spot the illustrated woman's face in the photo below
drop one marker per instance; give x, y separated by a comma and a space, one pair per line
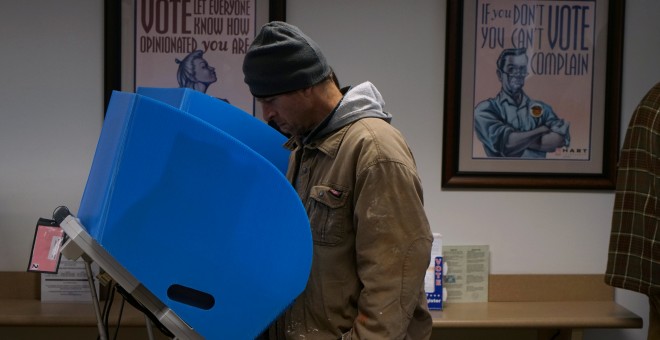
203, 72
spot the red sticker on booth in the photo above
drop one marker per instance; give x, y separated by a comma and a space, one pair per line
46, 249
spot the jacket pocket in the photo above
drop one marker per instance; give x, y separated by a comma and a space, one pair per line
329, 215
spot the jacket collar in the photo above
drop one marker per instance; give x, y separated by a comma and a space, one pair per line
328, 145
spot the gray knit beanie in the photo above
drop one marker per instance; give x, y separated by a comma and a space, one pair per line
283, 59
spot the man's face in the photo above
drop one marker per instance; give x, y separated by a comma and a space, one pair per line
290, 111
513, 73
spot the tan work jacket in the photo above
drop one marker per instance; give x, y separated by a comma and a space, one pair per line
372, 240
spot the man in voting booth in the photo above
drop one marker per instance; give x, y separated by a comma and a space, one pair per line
357, 179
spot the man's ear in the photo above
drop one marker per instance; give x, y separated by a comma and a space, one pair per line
499, 75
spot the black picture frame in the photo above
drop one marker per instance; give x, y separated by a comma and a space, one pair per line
456, 176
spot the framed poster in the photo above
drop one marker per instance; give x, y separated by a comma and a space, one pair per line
532, 94
198, 44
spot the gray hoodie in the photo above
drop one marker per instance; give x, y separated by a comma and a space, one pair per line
359, 102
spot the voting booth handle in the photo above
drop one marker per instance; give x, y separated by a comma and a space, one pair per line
191, 296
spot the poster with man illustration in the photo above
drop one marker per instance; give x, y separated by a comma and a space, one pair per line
534, 67
199, 44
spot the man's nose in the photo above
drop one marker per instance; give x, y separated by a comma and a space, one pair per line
267, 111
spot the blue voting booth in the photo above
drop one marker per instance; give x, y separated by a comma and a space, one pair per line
186, 206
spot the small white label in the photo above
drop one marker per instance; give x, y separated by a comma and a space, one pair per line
54, 247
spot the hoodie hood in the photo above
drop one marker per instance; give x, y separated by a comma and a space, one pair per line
359, 102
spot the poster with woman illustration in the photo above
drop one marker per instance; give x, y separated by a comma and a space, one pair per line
199, 44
